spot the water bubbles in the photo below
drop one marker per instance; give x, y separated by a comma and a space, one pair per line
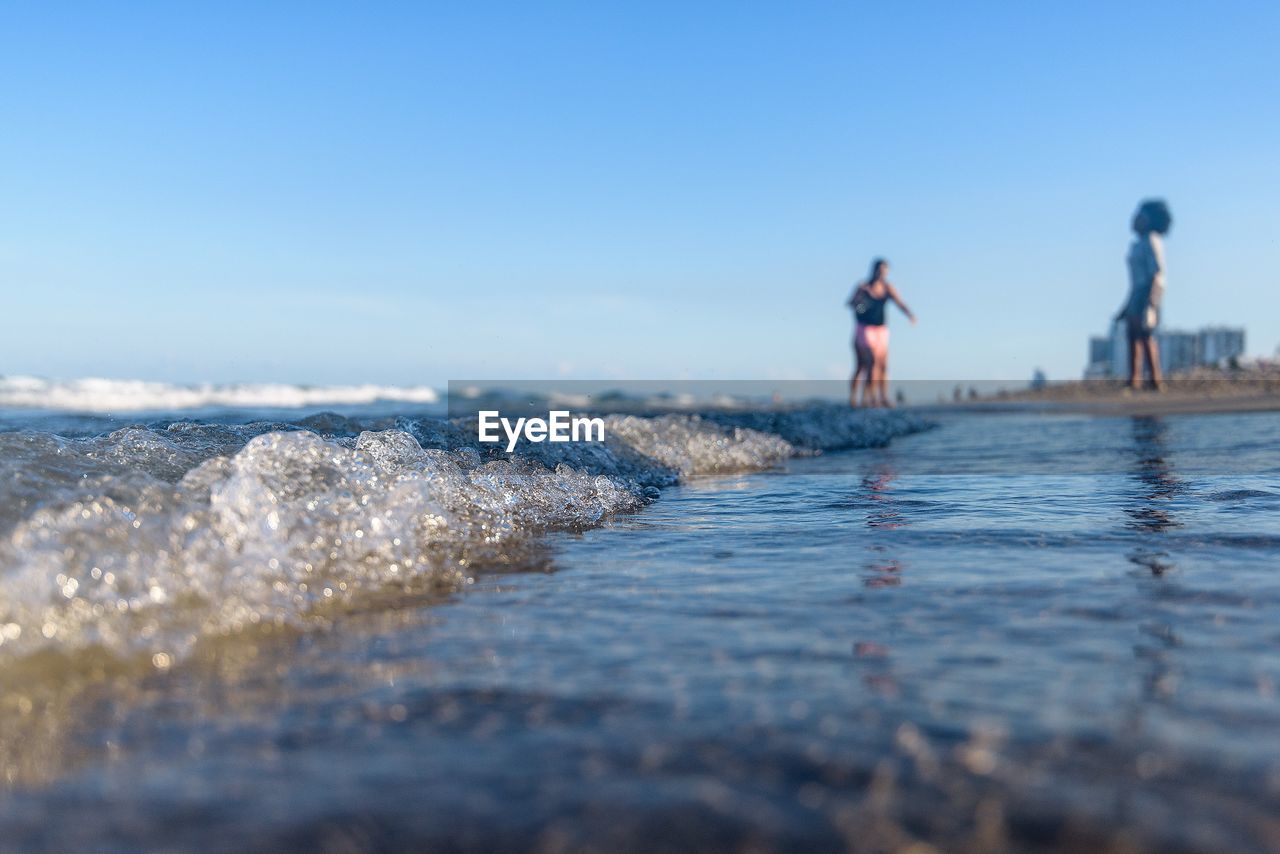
689, 445
164, 535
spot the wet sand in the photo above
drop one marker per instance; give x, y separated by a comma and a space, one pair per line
1200, 392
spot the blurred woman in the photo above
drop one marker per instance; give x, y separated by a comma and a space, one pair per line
871, 336
1141, 311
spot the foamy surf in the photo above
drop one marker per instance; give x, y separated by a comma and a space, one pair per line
146, 540
96, 395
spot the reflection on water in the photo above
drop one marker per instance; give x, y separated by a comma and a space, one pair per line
883, 574
883, 514
878, 489
1157, 666
1154, 473
1158, 485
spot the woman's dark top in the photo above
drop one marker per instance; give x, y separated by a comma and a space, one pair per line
868, 309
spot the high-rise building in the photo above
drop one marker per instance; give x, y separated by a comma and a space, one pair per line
1213, 346
1108, 355
1178, 350
1220, 344
1099, 350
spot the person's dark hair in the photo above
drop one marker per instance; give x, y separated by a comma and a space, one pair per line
1157, 215
875, 269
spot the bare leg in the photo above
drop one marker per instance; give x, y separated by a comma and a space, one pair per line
1153, 360
878, 371
1135, 364
884, 380
858, 373
863, 371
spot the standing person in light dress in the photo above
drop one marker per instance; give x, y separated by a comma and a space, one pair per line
1141, 311
871, 336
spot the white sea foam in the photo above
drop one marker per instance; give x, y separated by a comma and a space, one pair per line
146, 540
107, 395
691, 446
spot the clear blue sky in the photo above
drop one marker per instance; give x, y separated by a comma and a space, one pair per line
342, 192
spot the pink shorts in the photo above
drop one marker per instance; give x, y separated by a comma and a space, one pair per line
873, 339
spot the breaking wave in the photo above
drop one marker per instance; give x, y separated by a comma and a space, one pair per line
105, 395
148, 539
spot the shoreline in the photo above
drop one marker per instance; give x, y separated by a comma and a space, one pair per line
1202, 391
1140, 404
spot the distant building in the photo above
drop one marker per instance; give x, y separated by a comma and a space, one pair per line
1108, 355
1219, 345
1212, 346
1178, 350
1100, 350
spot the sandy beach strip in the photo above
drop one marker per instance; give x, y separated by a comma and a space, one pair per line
1200, 392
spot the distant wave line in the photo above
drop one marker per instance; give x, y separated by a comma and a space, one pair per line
94, 394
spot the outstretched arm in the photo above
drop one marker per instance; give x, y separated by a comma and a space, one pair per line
893, 295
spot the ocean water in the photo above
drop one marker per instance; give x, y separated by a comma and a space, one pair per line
116, 396
362, 632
